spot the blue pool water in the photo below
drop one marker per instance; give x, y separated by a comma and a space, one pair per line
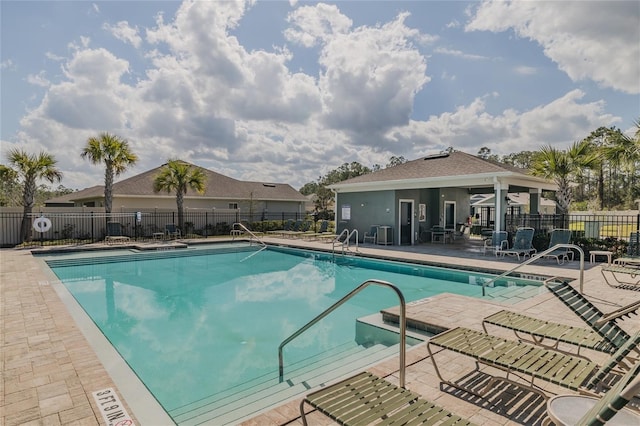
196, 323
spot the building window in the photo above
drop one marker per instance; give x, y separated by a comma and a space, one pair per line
233, 206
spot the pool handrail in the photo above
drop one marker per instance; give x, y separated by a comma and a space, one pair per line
402, 325
254, 236
538, 256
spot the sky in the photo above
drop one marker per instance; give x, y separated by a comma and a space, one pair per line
286, 91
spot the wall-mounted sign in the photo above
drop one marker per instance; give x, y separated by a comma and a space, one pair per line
346, 212
422, 212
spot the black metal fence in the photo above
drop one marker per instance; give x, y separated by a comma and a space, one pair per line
595, 226
82, 228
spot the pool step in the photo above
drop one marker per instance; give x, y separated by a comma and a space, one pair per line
299, 379
514, 294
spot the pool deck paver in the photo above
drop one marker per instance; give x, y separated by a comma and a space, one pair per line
49, 369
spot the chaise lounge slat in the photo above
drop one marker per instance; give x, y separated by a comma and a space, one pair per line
589, 313
569, 371
365, 399
539, 330
616, 272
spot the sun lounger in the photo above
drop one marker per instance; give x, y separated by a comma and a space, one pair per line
539, 331
114, 233
609, 409
366, 399
588, 312
632, 257
618, 273
560, 236
522, 244
572, 372
498, 241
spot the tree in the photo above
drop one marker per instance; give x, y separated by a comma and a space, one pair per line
116, 155
178, 177
562, 167
9, 186
485, 153
624, 151
29, 168
394, 161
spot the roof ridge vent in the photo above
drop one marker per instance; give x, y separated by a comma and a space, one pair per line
269, 185
439, 155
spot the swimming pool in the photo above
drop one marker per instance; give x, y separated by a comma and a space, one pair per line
199, 326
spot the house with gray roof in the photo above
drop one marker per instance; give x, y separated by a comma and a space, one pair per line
410, 198
221, 192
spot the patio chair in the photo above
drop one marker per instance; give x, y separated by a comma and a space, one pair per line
439, 233
497, 241
522, 244
114, 233
371, 235
617, 272
569, 410
632, 257
538, 331
561, 254
365, 398
590, 314
565, 370
172, 231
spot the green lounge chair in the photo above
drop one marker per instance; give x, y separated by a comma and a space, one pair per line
522, 244
370, 237
617, 272
632, 257
172, 231
562, 254
366, 399
589, 313
539, 331
571, 372
568, 410
114, 233
498, 241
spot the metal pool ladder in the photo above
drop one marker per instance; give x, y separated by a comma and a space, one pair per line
403, 323
538, 256
346, 242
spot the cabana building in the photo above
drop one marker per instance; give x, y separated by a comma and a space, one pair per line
406, 200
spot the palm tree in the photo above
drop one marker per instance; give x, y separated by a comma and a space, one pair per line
116, 155
178, 176
30, 168
562, 167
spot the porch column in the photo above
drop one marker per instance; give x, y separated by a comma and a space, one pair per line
500, 192
534, 200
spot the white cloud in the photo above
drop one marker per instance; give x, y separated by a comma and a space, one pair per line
123, 32
470, 127
525, 70
38, 79
459, 54
311, 25
588, 40
6, 64
370, 77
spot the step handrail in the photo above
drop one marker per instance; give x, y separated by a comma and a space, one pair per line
344, 232
248, 231
538, 256
254, 236
402, 325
